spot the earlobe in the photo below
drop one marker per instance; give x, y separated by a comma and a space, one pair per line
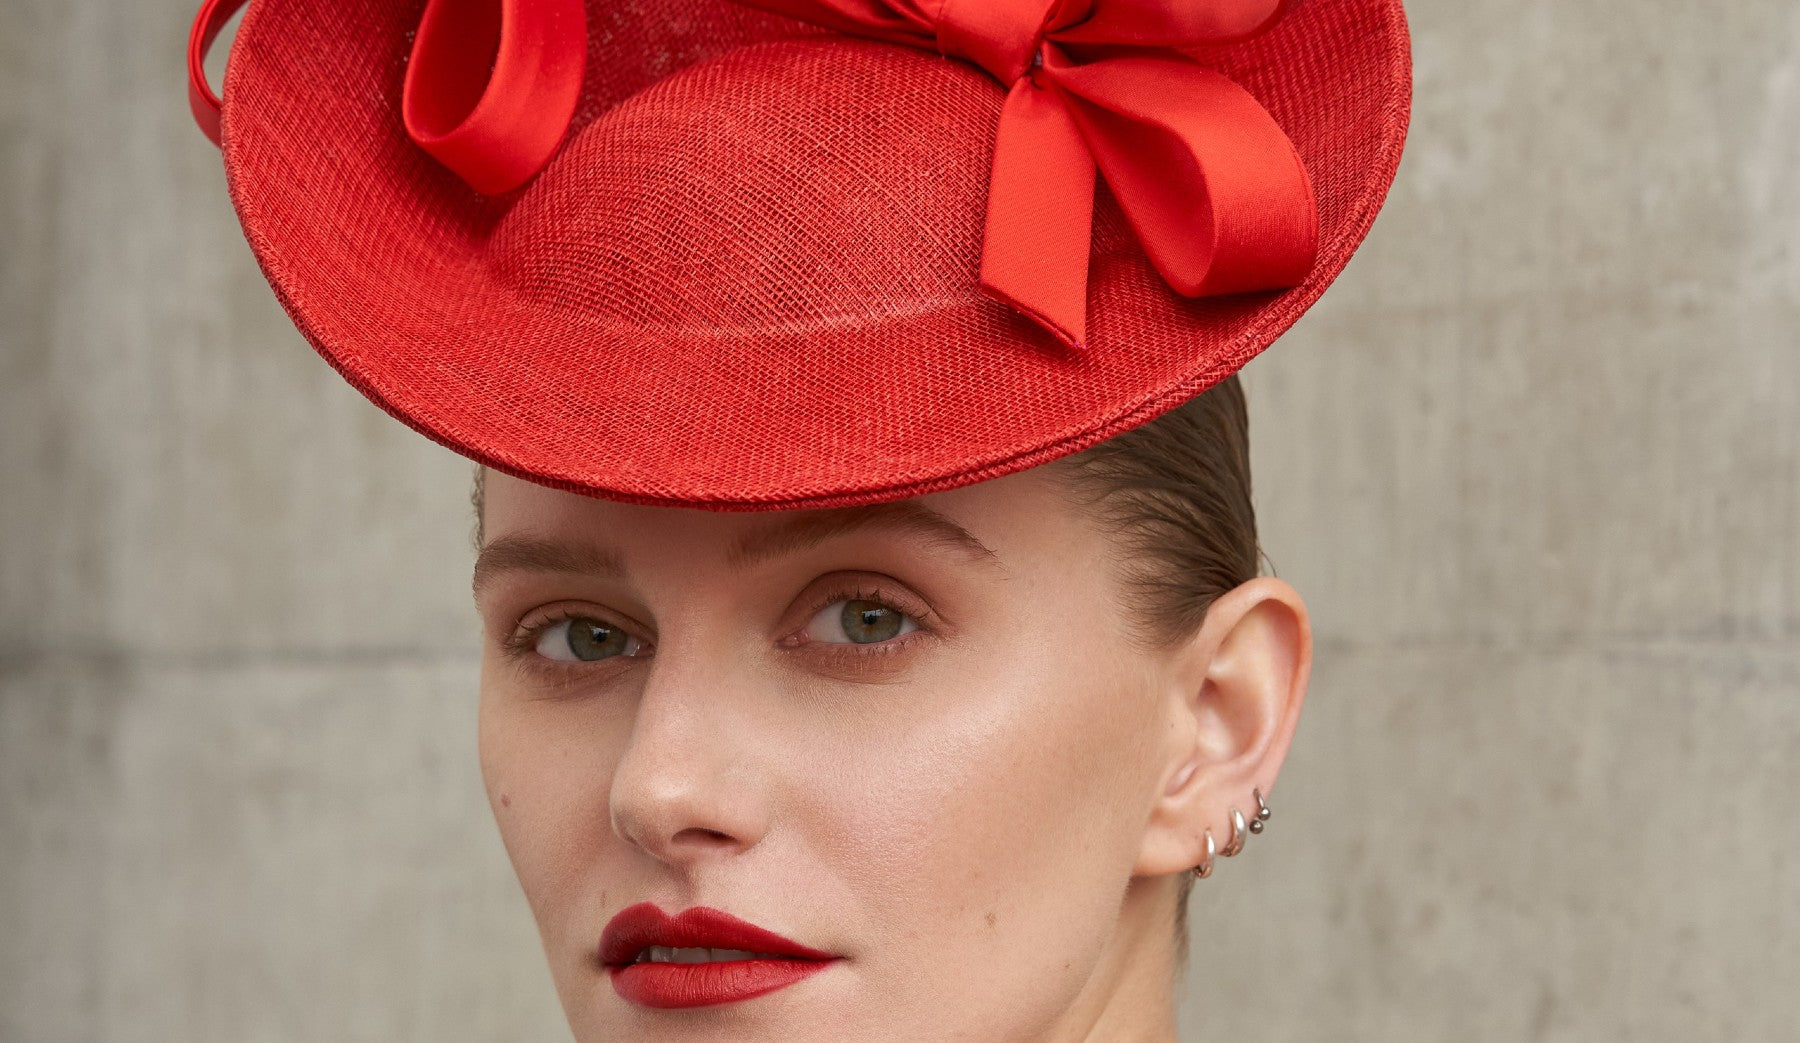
1236, 689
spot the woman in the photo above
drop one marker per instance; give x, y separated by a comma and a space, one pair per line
874, 647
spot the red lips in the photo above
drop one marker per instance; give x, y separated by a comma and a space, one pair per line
665, 985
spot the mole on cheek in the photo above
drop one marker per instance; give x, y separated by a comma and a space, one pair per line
505, 801
990, 919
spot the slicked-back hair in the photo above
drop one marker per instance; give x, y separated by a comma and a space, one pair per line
1177, 491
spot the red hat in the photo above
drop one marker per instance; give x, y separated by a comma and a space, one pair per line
799, 253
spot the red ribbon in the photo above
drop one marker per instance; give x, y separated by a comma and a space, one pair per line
1209, 181
490, 88
492, 85
202, 101
1211, 184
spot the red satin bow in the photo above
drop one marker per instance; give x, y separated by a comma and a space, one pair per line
1213, 187
1211, 184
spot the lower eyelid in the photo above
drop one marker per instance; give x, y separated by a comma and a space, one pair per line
853, 648
872, 663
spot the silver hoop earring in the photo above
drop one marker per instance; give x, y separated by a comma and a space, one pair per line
1262, 812
1204, 869
1238, 835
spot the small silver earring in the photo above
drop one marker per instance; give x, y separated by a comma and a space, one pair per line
1238, 835
1204, 869
1262, 812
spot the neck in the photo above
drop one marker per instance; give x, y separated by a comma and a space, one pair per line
1131, 997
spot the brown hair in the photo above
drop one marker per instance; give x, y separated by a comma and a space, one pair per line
1177, 490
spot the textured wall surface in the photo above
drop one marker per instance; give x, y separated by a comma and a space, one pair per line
1535, 461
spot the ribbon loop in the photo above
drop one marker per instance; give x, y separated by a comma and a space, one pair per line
492, 85
208, 23
1209, 181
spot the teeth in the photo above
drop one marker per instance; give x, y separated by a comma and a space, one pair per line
670, 954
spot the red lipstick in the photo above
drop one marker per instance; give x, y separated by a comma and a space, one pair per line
777, 964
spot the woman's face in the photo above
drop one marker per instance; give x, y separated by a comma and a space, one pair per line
914, 737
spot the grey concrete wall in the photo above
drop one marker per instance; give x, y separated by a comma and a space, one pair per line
1535, 462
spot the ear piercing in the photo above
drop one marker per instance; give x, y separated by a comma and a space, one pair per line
1238, 835
1262, 813
1240, 832
1204, 869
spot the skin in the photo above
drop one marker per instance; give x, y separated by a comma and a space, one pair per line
986, 816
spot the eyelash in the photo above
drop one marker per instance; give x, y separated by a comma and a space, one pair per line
917, 613
521, 645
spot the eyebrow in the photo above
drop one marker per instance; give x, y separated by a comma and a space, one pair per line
900, 517
791, 536
532, 554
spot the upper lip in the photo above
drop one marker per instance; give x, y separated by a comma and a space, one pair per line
640, 926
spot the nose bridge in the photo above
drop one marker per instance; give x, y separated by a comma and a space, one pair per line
686, 787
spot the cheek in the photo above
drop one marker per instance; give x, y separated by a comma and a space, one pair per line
548, 794
992, 824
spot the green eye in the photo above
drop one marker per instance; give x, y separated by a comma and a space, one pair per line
859, 621
585, 640
866, 622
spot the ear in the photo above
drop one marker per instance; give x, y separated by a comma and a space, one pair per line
1233, 695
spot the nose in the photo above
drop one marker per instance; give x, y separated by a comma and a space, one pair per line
687, 788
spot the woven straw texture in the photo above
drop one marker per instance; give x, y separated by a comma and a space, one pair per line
748, 280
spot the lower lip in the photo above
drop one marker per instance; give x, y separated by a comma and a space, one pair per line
670, 985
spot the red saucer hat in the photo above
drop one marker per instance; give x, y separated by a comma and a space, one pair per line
799, 253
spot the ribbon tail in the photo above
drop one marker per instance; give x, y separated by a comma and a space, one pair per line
1210, 182
1040, 214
